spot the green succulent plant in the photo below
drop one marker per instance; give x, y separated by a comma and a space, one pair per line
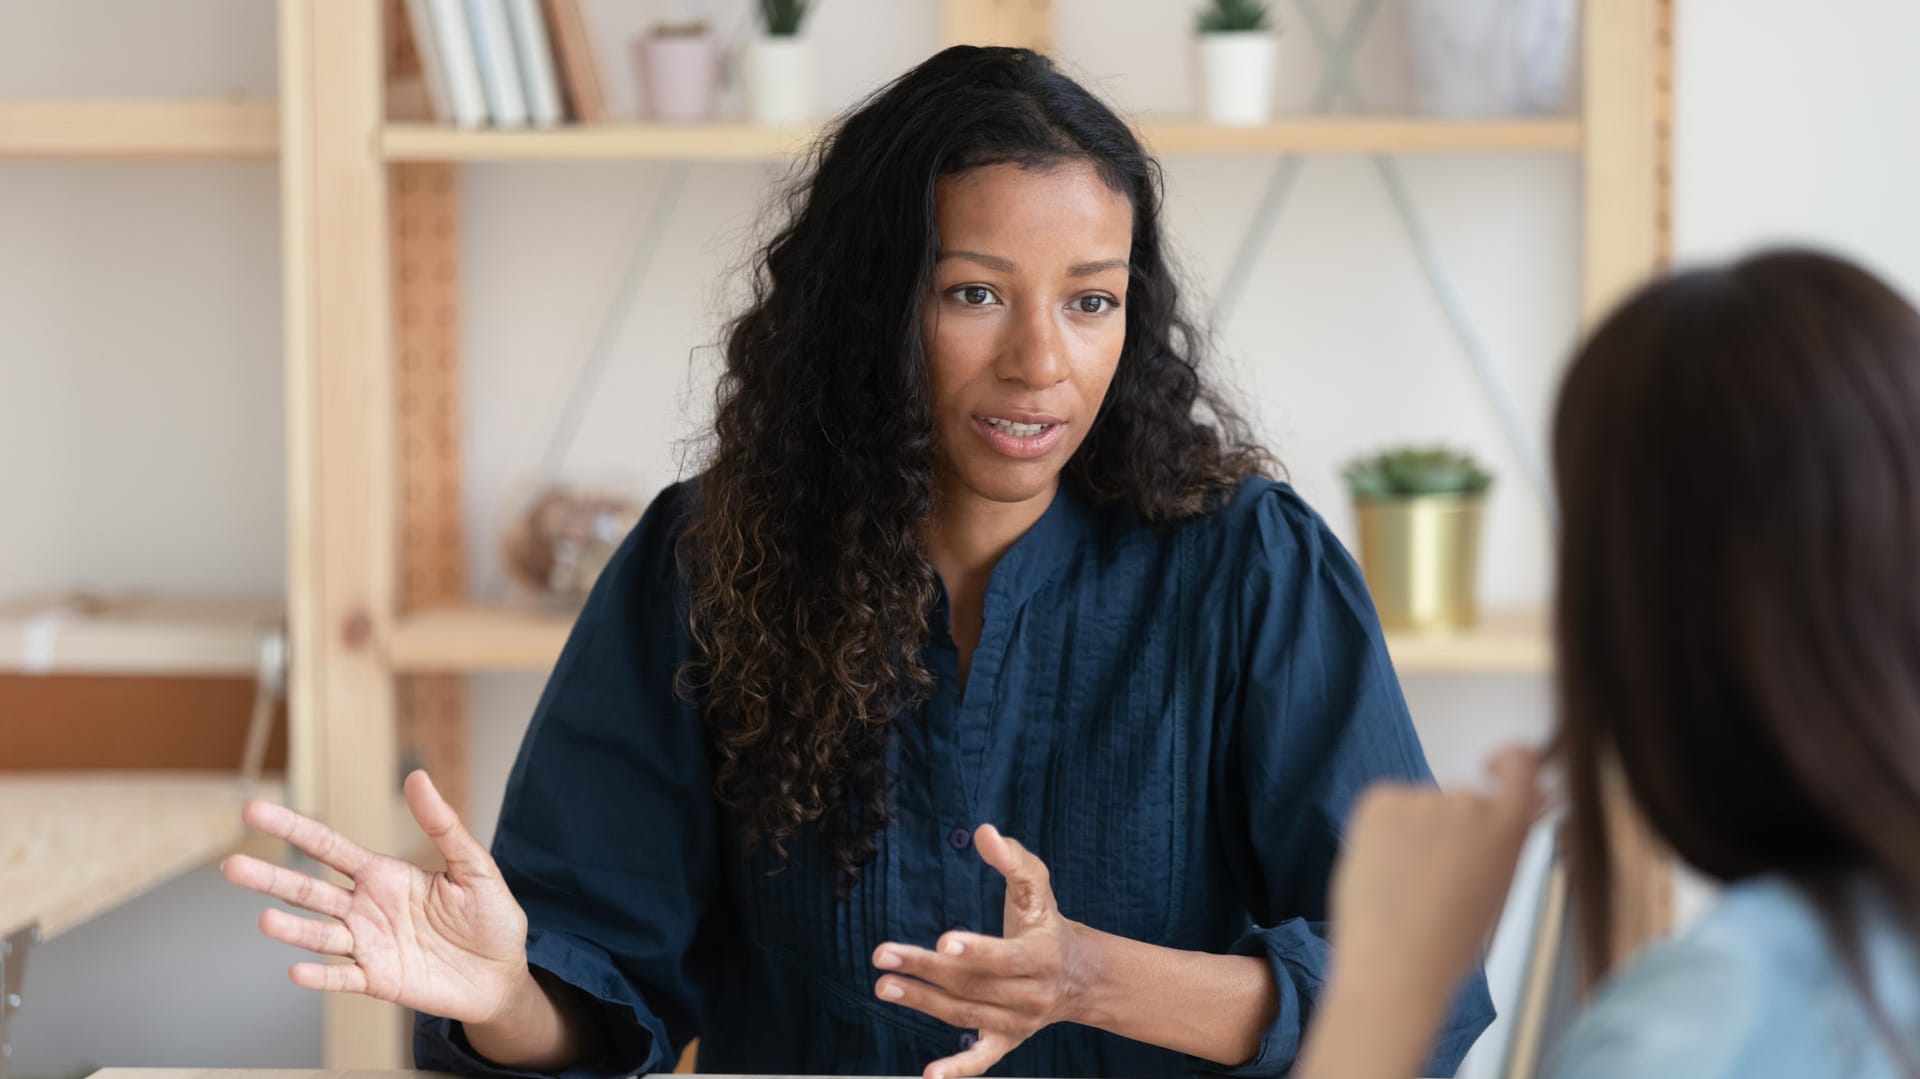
784, 16
1412, 470
1232, 16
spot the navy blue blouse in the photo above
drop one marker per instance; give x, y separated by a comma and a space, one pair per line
1177, 721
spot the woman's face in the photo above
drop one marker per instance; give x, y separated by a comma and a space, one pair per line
1026, 323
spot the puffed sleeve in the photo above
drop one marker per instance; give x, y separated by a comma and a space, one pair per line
608, 835
1319, 716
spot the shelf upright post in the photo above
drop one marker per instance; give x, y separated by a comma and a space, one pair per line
1025, 23
1627, 210
341, 464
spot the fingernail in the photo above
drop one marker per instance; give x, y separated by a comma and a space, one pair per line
956, 946
892, 991
888, 961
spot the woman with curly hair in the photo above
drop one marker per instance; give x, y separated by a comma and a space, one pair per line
981, 704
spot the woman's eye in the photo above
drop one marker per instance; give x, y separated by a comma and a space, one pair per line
1094, 305
976, 295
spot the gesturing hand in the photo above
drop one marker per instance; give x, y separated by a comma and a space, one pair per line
1003, 988
452, 944
1425, 873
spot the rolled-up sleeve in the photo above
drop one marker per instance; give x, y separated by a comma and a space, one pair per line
1319, 717
608, 833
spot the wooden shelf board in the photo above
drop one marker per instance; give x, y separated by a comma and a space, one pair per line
745, 142
138, 128
1505, 642
599, 142
478, 638
475, 638
135, 635
1358, 135
74, 845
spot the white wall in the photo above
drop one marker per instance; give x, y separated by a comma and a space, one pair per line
139, 387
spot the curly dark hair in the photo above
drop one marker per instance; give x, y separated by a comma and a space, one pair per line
810, 586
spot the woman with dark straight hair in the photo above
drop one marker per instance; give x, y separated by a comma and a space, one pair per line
983, 704
1738, 459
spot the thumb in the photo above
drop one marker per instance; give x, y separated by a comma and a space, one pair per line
1029, 886
464, 854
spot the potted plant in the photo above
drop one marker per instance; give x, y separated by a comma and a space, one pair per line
1419, 511
1491, 57
780, 66
1238, 53
679, 71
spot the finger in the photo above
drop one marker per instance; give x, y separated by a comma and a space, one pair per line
286, 885
1516, 775
329, 977
975, 1061
1029, 885
966, 977
464, 855
319, 842
325, 938
993, 955
944, 1006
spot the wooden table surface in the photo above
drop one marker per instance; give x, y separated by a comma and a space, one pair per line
284, 1073
273, 1074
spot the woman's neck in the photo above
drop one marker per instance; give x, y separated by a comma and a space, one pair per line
967, 534
965, 539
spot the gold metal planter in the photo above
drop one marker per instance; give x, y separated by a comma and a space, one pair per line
1421, 557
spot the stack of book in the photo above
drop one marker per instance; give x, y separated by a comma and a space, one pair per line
507, 63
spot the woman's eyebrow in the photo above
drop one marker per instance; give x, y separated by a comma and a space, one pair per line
995, 262
991, 262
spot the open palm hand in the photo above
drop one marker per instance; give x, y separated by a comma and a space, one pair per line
450, 943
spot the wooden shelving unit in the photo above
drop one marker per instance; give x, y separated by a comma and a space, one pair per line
379, 624
133, 128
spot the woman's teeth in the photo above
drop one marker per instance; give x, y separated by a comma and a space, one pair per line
1018, 430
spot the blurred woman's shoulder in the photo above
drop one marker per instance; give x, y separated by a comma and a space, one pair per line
1759, 987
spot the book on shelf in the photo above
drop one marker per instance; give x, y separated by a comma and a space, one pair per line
444, 43
504, 63
535, 52
499, 71
432, 74
579, 64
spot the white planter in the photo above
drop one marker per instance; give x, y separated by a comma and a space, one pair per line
780, 81
1491, 57
1237, 77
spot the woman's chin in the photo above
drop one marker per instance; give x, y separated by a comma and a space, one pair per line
1011, 482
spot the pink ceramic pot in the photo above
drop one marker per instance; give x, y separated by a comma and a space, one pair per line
679, 75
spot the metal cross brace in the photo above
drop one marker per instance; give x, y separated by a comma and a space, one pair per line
1336, 75
587, 380
13, 972
1336, 85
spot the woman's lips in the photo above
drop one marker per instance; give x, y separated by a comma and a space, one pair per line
1019, 444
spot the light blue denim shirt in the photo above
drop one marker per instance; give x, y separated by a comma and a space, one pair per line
1757, 989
